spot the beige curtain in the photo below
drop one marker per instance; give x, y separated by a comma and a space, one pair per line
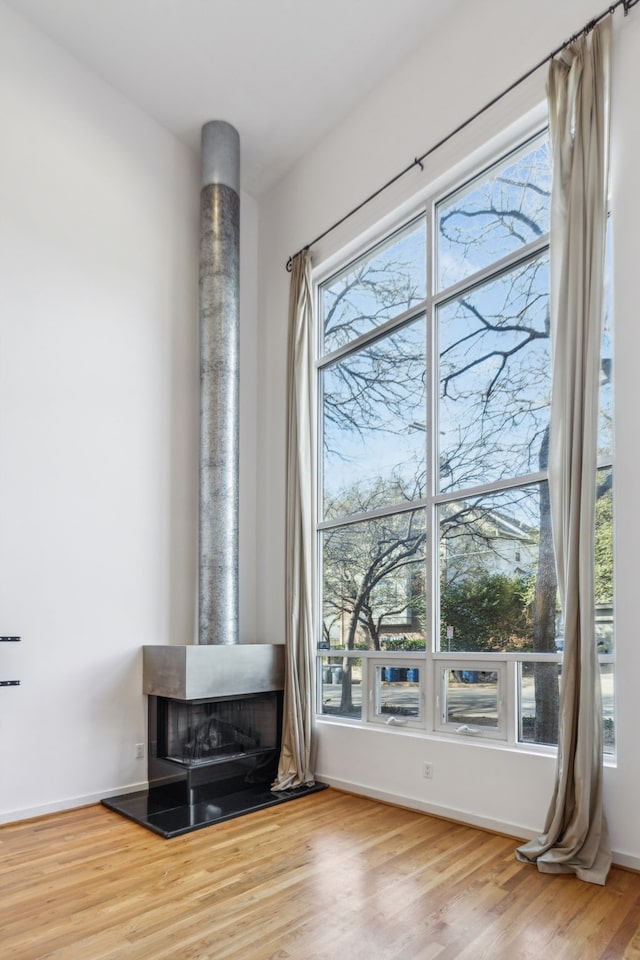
294, 768
575, 837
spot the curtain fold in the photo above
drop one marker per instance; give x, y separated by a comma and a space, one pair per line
575, 837
294, 767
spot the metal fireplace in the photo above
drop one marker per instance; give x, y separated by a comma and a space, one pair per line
215, 706
214, 736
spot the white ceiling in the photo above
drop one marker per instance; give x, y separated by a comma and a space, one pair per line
282, 71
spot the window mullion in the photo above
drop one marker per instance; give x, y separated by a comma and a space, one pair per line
504, 265
377, 333
494, 486
431, 433
389, 510
511, 696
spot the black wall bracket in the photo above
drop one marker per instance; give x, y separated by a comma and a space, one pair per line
9, 683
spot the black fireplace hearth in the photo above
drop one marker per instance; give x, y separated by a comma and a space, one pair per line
161, 813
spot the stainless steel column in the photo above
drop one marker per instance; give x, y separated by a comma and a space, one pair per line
219, 384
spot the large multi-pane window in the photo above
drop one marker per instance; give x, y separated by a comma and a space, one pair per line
438, 594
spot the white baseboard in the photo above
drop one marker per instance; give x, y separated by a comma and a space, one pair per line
517, 831
626, 860
70, 803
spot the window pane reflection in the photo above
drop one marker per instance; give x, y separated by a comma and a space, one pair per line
376, 288
490, 219
373, 584
341, 686
470, 698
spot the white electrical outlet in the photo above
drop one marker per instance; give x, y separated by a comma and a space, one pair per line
428, 770
139, 751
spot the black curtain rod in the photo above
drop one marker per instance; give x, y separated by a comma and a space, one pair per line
417, 162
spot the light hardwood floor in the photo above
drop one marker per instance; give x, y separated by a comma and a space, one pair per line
325, 877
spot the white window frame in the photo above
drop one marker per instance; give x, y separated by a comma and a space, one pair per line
477, 731
394, 662
433, 661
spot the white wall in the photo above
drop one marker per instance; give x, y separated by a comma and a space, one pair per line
457, 70
98, 420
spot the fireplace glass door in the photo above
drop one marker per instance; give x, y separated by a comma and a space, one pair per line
203, 732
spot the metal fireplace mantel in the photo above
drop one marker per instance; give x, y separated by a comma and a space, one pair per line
195, 671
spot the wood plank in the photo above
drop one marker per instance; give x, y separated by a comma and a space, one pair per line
328, 875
